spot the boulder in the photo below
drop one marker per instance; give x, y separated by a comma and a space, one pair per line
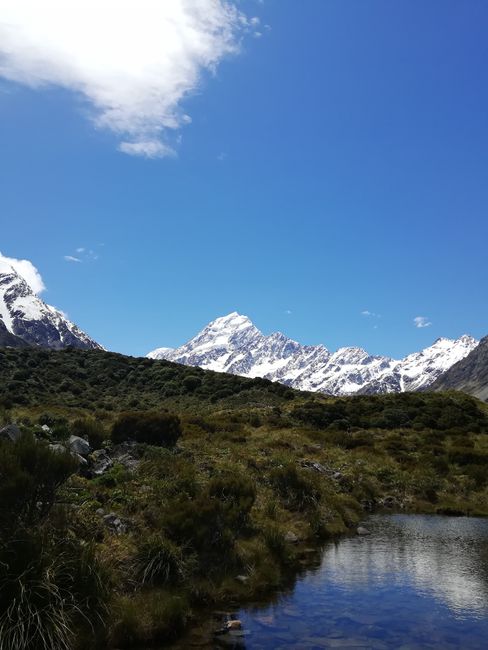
45, 428
234, 625
11, 432
363, 531
101, 462
115, 523
58, 448
79, 445
290, 537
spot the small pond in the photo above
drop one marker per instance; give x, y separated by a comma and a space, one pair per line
415, 582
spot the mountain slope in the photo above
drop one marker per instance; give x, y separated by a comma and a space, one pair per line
233, 344
25, 319
469, 375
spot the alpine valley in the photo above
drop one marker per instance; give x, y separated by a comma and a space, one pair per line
234, 345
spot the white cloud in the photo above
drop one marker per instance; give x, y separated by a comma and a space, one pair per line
80, 249
26, 270
71, 258
288, 311
134, 61
370, 314
421, 321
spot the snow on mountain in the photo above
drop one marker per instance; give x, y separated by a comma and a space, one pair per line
233, 344
28, 318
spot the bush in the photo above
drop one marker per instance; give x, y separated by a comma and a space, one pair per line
30, 476
191, 383
160, 429
158, 561
237, 495
148, 618
50, 588
297, 490
91, 430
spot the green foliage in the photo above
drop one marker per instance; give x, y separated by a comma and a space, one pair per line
237, 495
162, 429
158, 561
90, 429
146, 618
296, 487
30, 476
49, 586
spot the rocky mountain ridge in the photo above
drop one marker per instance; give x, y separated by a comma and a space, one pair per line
469, 375
25, 319
234, 344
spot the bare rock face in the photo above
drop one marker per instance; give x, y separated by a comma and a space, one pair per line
233, 344
469, 375
26, 320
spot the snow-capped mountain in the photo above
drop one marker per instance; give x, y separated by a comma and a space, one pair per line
26, 319
233, 344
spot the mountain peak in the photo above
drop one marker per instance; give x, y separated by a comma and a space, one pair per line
232, 320
233, 344
26, 316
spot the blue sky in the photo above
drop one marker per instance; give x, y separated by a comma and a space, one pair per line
336, 164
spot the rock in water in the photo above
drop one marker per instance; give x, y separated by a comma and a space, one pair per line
363, 531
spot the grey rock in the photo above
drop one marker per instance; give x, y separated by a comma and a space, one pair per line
58, 448
79, 445
46, 429
291, 538
101, 462
363, 531
242, 579
115, 523
11, 432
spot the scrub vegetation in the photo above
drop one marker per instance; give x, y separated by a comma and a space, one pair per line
199, 488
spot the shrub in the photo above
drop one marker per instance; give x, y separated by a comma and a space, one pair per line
50, 588
90, 429
158, 561
297, 490
237, 495
148, 618
161, 429
191, 383
30, 476
200, 525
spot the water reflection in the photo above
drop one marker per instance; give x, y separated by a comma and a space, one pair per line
414, 582
444, 557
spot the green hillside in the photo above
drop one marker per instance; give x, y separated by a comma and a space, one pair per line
199, 488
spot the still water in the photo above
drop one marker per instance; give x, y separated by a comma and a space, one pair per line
416, 582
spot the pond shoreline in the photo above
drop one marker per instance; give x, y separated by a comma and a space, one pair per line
272, 610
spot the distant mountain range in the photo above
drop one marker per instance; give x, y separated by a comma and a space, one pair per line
233, 344
25, 319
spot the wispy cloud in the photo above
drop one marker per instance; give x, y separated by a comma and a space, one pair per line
421, 321
133, 61
288, 312
26, 270
82, 255
370, 314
